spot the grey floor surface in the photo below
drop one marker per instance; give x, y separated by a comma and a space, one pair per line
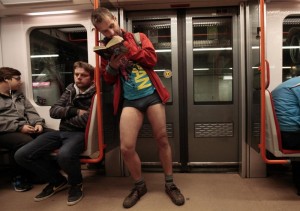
202, 191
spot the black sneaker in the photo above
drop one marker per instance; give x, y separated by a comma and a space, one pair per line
175, 195
21, 184
50, 190
134, 196
75, 194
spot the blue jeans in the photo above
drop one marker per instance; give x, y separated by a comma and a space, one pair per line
35, 156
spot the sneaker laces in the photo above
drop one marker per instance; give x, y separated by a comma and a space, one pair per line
174, 189
137, 191
175, 194
75, 189
134, 191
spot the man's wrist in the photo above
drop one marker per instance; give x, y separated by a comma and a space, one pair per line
111, 70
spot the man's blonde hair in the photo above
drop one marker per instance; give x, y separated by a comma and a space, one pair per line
99, 14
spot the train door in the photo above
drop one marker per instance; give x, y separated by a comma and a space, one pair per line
197, 62
212, 87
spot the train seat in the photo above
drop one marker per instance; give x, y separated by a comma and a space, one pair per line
91, 133
273, 137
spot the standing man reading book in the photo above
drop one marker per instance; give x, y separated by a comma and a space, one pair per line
144, 94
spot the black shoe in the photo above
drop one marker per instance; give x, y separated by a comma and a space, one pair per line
50, 190
134, 196
21, 184
175, 195
75, 194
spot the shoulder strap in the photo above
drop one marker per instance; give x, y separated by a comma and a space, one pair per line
137, 39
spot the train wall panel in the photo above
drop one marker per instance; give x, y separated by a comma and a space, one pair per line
14, 33
276, 12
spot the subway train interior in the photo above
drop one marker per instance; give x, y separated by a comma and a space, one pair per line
217, 58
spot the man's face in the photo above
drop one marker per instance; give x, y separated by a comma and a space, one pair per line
109, 27
82, 78
15, 82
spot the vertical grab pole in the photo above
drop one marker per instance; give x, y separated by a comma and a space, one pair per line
262, 144
97, 77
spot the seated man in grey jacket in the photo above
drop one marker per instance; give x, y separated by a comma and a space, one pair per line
19, 121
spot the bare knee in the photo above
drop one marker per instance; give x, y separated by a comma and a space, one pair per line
162, 140
127, 151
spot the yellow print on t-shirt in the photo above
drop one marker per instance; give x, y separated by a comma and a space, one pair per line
141, 78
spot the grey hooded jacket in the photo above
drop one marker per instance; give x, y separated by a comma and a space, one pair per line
16, 111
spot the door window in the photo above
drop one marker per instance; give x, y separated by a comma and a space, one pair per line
212, 56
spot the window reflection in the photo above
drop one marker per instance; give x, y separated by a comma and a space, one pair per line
291, 47
212, 56
53, 52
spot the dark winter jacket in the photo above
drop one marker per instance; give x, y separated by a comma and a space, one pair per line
66, 108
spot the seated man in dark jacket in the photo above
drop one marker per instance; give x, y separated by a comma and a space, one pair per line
73, 109
19, 122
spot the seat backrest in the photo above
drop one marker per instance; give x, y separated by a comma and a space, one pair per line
91, 133
273, 136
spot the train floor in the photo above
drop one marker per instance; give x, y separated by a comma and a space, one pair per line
202, 191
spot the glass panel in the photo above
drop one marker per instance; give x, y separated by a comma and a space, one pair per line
159, 32
253, 74
291, 47
212, 56
53, 52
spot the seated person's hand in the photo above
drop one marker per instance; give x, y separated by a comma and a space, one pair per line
38, 128
81, 112
27, 129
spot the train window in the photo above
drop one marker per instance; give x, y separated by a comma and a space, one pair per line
291, 47
159, 32
212, 60
53, 52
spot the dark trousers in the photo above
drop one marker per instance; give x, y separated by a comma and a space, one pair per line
291, 140
35, 156
13, 141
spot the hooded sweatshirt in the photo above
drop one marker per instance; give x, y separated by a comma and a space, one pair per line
16, 111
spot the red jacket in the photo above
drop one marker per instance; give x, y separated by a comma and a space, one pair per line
144, 56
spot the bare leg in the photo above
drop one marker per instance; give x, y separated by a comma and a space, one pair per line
157, 117
130, 124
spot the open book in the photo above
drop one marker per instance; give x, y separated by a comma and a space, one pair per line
114, 46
